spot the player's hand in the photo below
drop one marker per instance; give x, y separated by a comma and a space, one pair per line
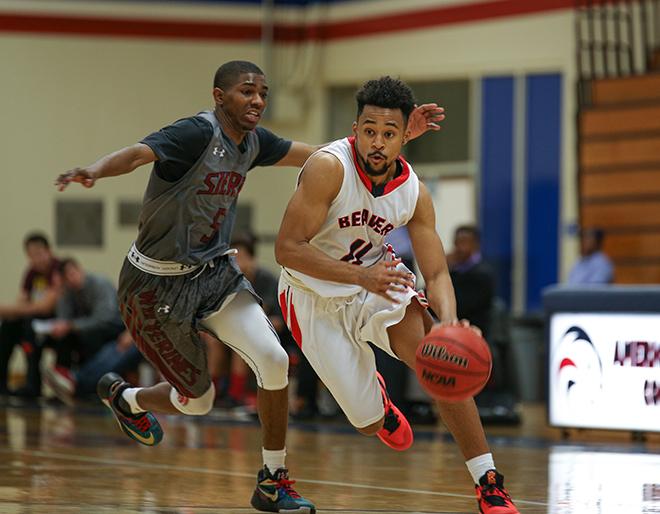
384, 279
80, 175
424, 117
460, 323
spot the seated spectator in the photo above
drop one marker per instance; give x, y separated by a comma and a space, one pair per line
473, 279
120, 356
594, 267
37, 299
87, 316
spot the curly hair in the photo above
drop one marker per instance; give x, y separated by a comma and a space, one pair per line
386, 92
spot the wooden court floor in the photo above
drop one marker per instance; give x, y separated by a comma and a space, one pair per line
75, 460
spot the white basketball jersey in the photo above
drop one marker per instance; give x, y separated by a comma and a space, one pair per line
358, 221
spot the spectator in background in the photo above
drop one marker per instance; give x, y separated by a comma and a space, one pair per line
36, 300
120, 356
87, 320
473, 279
594, 267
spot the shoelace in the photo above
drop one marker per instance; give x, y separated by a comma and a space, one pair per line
142, 423
391, 422
493, 494
287, 485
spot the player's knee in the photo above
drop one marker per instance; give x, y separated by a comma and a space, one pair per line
193, 406
372, 429
274, 368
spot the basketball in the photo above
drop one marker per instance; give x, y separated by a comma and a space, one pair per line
453, 363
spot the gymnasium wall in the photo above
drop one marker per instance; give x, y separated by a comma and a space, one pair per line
68, 98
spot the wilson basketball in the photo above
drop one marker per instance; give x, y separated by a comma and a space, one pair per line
453, 363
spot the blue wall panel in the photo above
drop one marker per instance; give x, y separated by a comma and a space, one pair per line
542, 164
496, 168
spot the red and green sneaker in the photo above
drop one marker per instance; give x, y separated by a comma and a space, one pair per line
143, 428
275, 493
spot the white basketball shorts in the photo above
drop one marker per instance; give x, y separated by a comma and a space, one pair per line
333, 334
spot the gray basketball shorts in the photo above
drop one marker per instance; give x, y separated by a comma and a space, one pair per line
163, 314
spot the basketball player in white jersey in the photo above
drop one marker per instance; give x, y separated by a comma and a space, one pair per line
341, 287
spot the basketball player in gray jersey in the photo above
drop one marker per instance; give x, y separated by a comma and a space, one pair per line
180, 276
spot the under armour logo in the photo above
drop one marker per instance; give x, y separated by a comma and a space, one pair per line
164, 309
219, 151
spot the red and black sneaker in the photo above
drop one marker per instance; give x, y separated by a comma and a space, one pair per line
492, 497
396, 432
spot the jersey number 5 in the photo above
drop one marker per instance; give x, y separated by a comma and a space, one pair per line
357, 250
217, 221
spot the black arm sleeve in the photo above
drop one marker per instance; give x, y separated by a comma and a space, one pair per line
272, 148
178, 146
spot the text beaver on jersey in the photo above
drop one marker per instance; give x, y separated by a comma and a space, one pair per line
364, 217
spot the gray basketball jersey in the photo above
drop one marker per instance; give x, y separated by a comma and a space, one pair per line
191, 220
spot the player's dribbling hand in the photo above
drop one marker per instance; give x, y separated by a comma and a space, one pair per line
384, 279
80, 175
460, 323
423, 118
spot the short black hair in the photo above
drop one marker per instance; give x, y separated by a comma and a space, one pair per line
63, 263
469, 229
596, 232
227, 74
247, 240
386, 92
36, 237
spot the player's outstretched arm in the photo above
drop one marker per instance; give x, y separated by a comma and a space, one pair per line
117, 163
319, 184
430, 256
424, 118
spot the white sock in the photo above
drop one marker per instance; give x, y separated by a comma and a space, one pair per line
477, 466
273, 459
130, 396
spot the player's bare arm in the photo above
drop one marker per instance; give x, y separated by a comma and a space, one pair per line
319, 184
424, 118
430, 256
117, 163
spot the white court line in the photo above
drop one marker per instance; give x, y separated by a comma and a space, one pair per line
206, 471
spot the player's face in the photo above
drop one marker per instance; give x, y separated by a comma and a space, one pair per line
379, 136
245, 101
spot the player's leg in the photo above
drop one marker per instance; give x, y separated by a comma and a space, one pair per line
325, 331
461, 418
243, 326
159, 311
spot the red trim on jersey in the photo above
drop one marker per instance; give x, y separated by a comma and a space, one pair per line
293, 322
364, 178
283, 307
295, 327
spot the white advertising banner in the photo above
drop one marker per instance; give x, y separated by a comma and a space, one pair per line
584, 482
605, 371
